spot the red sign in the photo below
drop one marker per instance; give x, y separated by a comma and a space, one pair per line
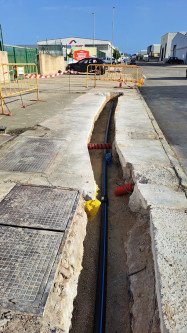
81, 54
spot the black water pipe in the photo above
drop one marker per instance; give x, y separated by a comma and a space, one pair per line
100, 302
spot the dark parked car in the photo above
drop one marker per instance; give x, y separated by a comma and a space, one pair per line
174, 60
81, 66
133, 62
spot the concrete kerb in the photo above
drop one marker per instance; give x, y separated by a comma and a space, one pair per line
148, 161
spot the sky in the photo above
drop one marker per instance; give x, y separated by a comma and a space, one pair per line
137, 23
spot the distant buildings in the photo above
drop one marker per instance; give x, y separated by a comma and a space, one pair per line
153, 50
179, 46
96, 47
174, 44
165, 48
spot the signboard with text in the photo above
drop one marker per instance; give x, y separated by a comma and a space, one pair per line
81, 54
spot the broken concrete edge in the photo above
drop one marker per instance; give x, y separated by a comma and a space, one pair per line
171, 155
59, 307
169, 259
153, 194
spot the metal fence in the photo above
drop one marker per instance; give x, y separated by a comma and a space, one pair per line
120, 73
15, 79
17, 54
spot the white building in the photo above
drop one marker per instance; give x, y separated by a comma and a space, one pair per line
179, 46
165, 48
72, 42
153, 50
142, 52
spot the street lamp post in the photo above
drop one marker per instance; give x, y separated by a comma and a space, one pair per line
93, 29
112, 33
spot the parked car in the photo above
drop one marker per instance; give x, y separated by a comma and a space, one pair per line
133, 62
174, 60
108, 60
81, 65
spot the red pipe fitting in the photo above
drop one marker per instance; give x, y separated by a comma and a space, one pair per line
127, 188
99, 146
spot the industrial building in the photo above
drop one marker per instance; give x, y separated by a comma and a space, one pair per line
153, 51
179, 46
165, 48
63, 46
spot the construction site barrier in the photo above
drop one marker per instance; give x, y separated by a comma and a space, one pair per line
121, 73
15, 79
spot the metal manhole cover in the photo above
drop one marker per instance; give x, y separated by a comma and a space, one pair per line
31, 155
28, 262
39, 207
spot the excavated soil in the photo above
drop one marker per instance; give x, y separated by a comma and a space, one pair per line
131, 301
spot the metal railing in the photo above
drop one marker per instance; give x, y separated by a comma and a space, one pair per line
120, 73
15, 79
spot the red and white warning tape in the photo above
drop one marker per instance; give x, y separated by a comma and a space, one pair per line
34, 76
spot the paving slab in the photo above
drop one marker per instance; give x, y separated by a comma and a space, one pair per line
27, 267
153, 195
39, 207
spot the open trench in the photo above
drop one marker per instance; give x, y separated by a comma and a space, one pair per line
131, 304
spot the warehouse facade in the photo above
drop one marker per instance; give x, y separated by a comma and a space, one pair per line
68, 43
179, 46
165, 48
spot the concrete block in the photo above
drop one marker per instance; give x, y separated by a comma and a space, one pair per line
159, 175
169, 234
150, 195
142, 151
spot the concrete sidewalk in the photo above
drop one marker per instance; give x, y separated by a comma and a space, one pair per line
159, 190
145, 158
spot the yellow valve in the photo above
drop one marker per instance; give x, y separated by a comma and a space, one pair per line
140, 82
92, 207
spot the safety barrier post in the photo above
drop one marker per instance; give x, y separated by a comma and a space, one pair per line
95, 78
2, 105
87, 78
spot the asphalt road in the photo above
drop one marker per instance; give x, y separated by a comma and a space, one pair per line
165, 92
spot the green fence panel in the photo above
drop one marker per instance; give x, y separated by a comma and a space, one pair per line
10, 51
22, 55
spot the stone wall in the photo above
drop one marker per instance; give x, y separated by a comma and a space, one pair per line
49, 64
3, 60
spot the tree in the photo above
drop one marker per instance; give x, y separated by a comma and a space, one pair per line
116, 54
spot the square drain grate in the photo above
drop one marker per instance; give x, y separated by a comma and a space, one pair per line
31, 155
28, 262
39, 207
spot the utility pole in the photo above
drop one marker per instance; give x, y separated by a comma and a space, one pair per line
93, 29
1, 39
112, 33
